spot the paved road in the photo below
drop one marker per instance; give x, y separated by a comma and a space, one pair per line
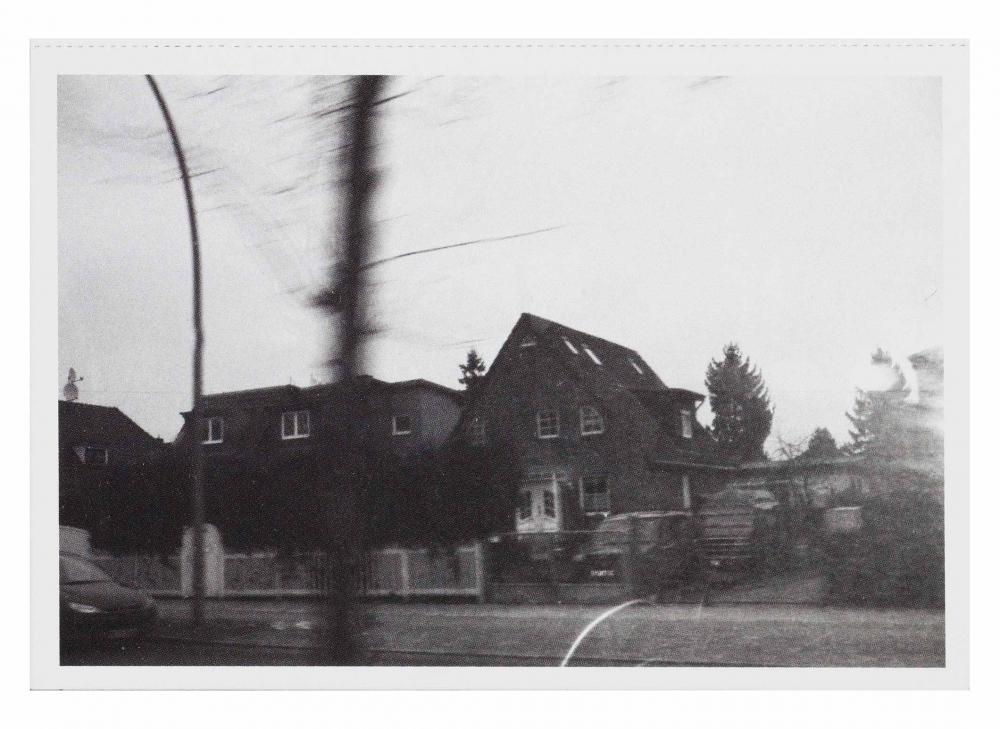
272, 633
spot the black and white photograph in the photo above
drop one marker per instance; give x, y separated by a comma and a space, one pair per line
512, 370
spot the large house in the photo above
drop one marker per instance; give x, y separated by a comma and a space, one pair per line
594, 429
95, 443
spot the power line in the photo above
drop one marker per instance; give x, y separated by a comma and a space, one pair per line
496, 239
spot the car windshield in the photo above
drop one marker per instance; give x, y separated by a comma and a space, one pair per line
73, 570
615, 532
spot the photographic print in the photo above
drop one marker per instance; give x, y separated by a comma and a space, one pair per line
493, 367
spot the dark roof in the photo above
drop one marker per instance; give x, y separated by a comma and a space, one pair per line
99, 425
616, 369
282, 394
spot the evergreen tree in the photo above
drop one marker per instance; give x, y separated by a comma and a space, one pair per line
741, 404
877, 417
473, 370
821, 445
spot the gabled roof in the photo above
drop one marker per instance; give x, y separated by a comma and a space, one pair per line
620, 367
99, 425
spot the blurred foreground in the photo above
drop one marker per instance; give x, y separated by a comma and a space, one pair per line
284, 633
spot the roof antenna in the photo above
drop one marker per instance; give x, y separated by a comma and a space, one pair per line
70, 391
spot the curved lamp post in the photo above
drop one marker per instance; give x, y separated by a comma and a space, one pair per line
197, 486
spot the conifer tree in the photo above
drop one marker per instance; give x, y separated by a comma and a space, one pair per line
822, 444
741, 404
473, 370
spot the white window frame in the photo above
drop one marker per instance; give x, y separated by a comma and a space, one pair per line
570, 347
635, 366
476, 432
210, 431
591, 421
538, 423
687, 424
583, 494
686, 491
594, 357
296, 420
396, 430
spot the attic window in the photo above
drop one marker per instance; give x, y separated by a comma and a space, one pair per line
295, 424
590, 353
635, 366
528, 342
214, 429
570, 347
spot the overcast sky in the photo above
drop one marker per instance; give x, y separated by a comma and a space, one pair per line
800, 218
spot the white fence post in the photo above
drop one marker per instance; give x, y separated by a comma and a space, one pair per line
477, 557
404, 573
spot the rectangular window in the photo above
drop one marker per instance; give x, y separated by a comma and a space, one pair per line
591, 422
548, 423
524, 505
402, 425
635, 366
594, 495
214, 430
92, 455
687, 427
590, 353
549, 503
295, 424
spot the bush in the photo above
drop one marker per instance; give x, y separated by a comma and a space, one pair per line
897, 558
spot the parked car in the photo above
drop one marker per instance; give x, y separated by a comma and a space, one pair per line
651, 549
93, 606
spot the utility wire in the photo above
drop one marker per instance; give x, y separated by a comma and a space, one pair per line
496, 239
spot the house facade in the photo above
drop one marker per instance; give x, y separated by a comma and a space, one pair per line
594, 429
277, 446
96, 443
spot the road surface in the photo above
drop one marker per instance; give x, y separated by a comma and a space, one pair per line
286, 633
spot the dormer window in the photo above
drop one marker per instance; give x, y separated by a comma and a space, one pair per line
635, 366
687, 424
591, 422
214, 430
570, 347
295, 424
590, 353
475, 432
548, 423
402, 425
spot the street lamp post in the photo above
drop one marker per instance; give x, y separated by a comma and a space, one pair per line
197, 484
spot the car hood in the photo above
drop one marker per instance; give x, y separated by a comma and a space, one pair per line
108, 596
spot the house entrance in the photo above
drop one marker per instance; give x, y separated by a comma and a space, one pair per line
538, 507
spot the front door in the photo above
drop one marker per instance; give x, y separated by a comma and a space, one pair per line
538, 506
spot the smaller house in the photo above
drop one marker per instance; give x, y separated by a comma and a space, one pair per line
95, 441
